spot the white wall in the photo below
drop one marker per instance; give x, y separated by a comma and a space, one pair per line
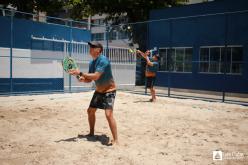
4, 63
124, 74
25, 65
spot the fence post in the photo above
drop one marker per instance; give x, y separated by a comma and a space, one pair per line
107, 40
145, 85
169, 80
169, 65
70, 52
147, 46
11, 51
225, 59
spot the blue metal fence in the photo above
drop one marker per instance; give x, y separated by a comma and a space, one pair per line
201, 50
218, 28
31, 51
24, 68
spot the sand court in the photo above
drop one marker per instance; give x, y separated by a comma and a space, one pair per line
51, 129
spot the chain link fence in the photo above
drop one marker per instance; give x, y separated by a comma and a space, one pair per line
201, 56
33, 46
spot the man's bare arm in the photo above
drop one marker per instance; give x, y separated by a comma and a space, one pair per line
86, 77
142, 54
92, 76
148, 61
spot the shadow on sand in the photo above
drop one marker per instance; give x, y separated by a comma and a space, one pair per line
96, 138
142, 101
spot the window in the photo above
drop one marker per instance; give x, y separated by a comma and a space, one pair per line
214, 64
97, 22
179, 56
98, 36
212, 59
188, 60
204, 59
113, 35
123, 35
176, 59
163, 60
234, 60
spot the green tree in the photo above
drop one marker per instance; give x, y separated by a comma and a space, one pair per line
133, 10
49, 6
136, 10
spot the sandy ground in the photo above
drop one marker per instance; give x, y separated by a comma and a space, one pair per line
51, 129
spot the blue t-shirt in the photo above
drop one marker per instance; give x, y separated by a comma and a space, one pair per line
153, 68
102, 65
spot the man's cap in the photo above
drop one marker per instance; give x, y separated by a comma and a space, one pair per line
153, 52
95, 45
157, 55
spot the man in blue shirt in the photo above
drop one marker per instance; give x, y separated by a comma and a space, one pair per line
151, 70
104, 95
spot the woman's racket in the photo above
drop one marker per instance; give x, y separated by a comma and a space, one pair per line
69, 63
132, 51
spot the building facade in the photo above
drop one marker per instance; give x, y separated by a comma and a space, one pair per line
202, 46
116, 36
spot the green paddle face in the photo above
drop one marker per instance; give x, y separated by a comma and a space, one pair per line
69, 63
131, 50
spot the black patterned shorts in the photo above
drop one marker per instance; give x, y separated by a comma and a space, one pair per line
150, 81
103, 100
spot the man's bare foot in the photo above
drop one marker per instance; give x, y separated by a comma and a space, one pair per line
152, 100
90, 135
113, 143
87, 135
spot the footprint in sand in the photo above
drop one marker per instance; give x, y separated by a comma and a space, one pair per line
165, 133
163, 153
39, 108
194, 134
61, 119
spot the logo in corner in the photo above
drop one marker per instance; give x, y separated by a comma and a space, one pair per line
217, 155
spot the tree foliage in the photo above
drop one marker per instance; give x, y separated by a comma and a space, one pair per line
49, 6
133, 10
136, 10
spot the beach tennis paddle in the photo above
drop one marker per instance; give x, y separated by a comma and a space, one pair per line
69, 63
132, 51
